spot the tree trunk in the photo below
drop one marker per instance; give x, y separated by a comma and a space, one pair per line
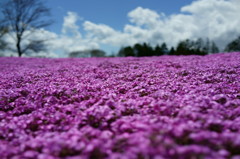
19, 47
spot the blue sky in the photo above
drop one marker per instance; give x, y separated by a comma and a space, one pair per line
109, 12
111, 24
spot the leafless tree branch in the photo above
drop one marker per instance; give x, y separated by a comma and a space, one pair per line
22, 16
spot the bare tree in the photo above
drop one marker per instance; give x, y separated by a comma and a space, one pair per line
23, 17
3, 31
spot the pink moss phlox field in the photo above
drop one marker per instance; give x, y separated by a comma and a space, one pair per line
178, 107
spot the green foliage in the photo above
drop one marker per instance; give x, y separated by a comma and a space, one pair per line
185, 47
126, 51
198, 47
143, 50
233, 45
97, 53
139, 50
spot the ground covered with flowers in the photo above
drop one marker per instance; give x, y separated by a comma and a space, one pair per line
181, 107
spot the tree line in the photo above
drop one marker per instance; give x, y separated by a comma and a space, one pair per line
184, 47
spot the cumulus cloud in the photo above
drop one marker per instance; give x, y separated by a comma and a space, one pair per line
57, 45
144, 17
98, 31
101, 33
69, 25
215, 19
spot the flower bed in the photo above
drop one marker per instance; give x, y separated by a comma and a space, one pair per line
150, 107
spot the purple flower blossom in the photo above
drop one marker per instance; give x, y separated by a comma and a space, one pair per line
149, 107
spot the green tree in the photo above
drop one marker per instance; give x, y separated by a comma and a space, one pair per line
164, 48
126, 51
147, 50
138, 50
214, 48
198, 47
158, 51
172, 51
143, 50
207, 47
183, 48
233, 45
97, 53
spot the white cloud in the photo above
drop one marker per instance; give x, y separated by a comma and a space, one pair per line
103, 34
98, 31
69, 25
216, 19
58, 45
71, 38
144, 17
